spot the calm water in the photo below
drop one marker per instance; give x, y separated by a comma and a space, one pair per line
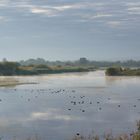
61, 105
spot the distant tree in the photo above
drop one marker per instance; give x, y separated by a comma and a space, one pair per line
83, 61
9, 68
4, 60
114, 71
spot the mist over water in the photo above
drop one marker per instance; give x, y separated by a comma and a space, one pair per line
61, 105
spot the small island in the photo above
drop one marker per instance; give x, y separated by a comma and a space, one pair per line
119, 71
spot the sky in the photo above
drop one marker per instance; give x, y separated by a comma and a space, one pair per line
70, 29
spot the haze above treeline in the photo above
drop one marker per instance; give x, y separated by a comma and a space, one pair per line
81, 61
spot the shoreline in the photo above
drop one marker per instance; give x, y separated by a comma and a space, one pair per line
16, 84
24, 75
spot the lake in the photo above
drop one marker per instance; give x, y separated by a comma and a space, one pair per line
61, 105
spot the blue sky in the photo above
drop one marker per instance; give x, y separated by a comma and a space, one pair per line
70, 29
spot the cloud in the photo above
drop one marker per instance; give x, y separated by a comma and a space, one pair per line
96, 9
134, 10
102, 15
4, 19
47, 12
114, 23
4, 3
110, 13
49, 9
53, 10
80, 5
68, 7
96, 16
1, 18
133, 4
133, 7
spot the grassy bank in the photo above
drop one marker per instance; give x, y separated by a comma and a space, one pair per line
132, 136
118, 71
13, 68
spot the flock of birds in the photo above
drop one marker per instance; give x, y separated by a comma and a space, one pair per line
74, 98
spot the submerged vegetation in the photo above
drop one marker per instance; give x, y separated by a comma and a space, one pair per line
119, 71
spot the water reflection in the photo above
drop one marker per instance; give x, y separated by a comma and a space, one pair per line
122, 79
62, 105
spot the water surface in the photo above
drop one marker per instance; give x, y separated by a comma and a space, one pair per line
61, 105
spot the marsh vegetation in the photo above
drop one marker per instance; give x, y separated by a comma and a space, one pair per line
14, 68
119, 71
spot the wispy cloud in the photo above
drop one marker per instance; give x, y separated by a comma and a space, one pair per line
96, 16
110, 13
49, 9
114, 23
133, 7
133, 4
134, 10
4, 19
4, 3
44, 11
78, 5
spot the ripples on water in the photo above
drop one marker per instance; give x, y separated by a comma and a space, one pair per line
62, 105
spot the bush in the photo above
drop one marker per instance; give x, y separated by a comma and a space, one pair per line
114, 71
